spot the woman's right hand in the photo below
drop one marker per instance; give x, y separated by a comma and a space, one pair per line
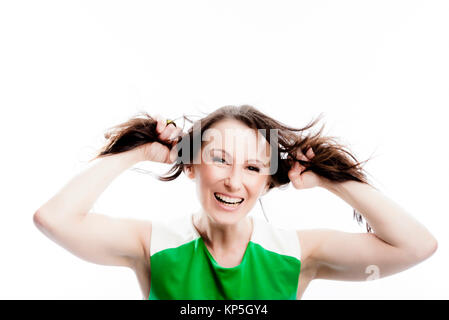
155, 151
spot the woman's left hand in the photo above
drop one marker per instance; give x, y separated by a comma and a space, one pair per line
300, 179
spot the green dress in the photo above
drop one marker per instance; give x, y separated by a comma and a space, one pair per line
182, 267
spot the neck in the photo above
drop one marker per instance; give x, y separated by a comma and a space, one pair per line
220, 237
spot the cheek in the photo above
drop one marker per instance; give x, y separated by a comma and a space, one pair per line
211, 174
209, 177
263, 183
256, 186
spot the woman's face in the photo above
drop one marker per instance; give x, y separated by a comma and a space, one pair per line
235, 162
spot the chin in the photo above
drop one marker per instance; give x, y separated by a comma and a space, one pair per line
224, 217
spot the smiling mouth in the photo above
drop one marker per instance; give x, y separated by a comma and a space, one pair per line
228, 203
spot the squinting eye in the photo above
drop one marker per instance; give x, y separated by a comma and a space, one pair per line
257, 169
215, 158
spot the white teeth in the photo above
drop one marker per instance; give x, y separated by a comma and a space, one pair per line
227, 199
230, 205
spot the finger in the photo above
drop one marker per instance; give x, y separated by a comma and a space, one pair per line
300, 167
168, 132
295, 171
293, 174
295, 180
161, 123
301, 156
177, 133
310, 154
173, 154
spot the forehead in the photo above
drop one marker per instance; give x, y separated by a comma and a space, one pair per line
234, 136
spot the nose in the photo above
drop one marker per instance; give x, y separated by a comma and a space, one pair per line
234, 180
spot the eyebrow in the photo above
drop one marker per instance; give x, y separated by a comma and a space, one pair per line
256, 160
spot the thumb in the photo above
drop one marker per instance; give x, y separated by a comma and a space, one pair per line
294, 172
173, 154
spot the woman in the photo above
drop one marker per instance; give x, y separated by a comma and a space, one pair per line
219, 252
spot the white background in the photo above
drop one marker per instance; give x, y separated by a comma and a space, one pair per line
378, 70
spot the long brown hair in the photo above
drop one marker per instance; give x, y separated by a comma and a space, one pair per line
332, 160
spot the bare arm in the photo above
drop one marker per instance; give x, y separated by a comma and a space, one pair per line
398, 243
94, 237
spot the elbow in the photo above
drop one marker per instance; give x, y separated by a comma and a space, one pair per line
44, 224
433, 247
41, 220
49, 222
38, 219
428, 250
